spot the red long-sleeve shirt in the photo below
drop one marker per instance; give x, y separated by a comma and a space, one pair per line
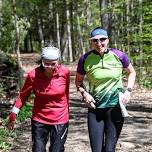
51, 103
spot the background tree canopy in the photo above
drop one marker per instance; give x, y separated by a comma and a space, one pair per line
27, 25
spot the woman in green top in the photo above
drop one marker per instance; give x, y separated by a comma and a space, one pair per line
103, 68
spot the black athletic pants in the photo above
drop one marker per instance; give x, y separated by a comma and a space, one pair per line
42, 132
104, 126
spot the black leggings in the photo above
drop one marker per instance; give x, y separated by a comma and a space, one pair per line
104, 126
41, 132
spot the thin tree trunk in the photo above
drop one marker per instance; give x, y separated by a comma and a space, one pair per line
122, 28
88, 12
105, 16
114, 34
0, 18
58, 29
79, 32
141, 33
134, 32
128, 28
40, 27
17, 44
50, 17
31, 42
110, 14
69, 33
132, 15
40, 31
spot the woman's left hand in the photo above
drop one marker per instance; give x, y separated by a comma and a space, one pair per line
126, 97
89, 100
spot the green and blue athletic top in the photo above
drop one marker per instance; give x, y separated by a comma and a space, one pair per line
104, 74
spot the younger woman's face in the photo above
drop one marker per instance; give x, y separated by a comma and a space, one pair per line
100, 45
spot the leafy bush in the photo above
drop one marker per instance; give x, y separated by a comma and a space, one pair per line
8, 74
25, 113
144, 76
6, 136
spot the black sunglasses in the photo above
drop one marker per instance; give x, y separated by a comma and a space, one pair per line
99, 40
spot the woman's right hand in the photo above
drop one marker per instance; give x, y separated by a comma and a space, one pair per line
11, 125
11, 121
89, 100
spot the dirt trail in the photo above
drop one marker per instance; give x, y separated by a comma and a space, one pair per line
136, 135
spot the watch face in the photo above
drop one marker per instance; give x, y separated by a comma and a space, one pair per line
129, 89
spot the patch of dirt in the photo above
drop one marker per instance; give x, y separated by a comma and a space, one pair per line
135, 136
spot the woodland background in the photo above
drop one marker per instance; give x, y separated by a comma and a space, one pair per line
28, 25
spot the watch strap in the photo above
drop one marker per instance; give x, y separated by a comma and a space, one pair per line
129, 89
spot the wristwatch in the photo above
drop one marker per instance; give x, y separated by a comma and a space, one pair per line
129, 89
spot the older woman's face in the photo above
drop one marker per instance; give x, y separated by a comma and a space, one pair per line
49, 64
100, 45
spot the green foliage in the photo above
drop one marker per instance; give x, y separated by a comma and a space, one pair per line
144, 76
125, 24
2, 92
8, 74
25, 113
6, 138
7, 31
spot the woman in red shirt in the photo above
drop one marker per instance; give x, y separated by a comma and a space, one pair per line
50, 115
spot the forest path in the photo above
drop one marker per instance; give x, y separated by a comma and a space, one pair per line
136, 135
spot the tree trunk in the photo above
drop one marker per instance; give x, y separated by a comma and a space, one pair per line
128, 28
114, 33
50, 17
141, 33
31, 42
105, 17
122, 29
58, 29
40, 31
69, 32
0, 18
17, 44
79, 32
40, 27
88, 12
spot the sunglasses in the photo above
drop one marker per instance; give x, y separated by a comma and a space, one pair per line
99, 40
49, 65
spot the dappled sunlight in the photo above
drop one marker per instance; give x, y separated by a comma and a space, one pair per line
135, 136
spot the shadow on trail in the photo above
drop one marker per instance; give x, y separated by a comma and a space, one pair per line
136, 133
135, 137
140, 108
23, 141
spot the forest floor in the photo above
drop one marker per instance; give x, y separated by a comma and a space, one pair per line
136, 135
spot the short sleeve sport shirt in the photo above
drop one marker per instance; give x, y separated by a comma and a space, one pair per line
104, 74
